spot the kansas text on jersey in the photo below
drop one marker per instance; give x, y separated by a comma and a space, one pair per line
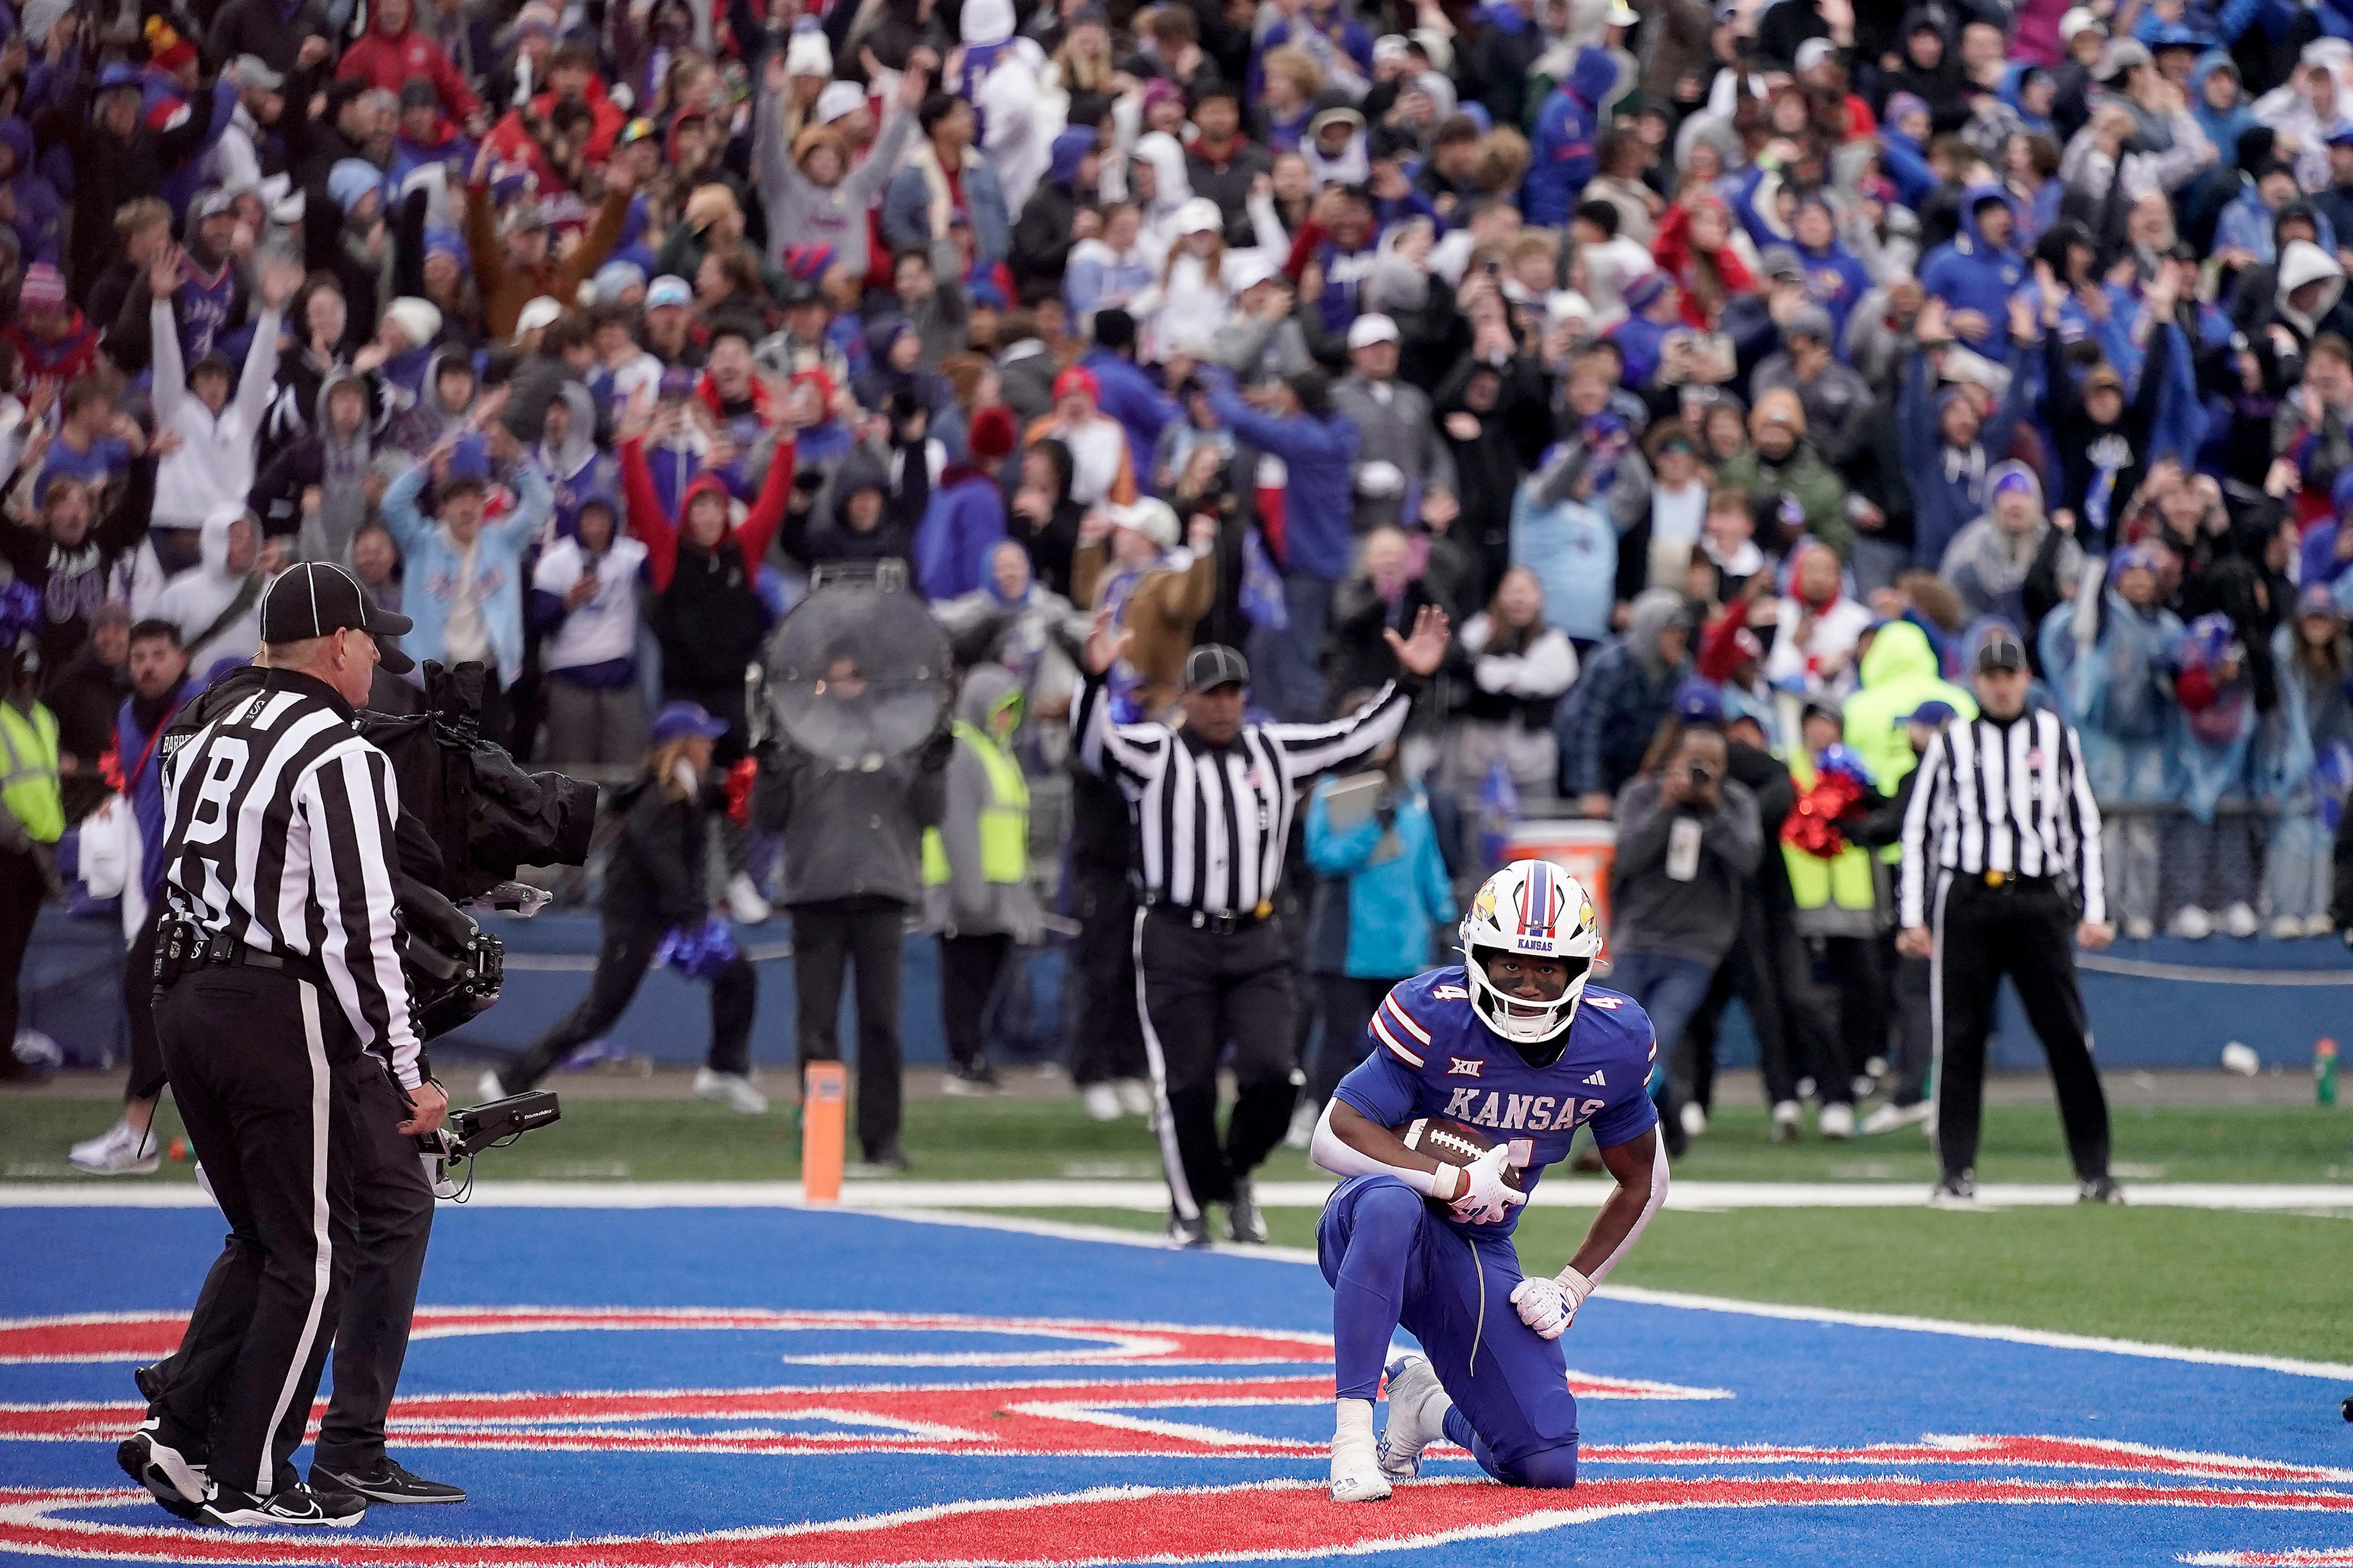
1433, 1056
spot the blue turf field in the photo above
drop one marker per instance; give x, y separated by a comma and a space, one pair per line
2126, 1459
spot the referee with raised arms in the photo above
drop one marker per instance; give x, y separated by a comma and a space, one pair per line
284, 1021
1213, 802
2001, 876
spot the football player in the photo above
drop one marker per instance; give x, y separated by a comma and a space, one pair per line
1516, 1044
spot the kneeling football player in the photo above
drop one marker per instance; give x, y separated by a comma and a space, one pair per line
1517, 1046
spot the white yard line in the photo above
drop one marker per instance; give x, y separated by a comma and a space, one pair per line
779, 1194
1149, 1197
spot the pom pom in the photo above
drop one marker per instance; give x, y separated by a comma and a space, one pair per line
701, 952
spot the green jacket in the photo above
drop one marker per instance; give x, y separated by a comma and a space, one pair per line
1820, 493
1899, 673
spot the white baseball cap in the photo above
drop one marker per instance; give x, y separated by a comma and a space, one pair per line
839, 100
543, 312
2080, 20
1201, 215
1367, 330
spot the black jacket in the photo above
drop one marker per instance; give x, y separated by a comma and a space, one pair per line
709, 619
655, 875
260, 27
110, 170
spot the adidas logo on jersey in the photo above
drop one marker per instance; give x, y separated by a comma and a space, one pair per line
1598, 1079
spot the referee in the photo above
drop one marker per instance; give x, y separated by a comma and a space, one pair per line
2001, 876
284, 1021
1213, 802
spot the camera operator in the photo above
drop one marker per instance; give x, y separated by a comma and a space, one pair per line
285, 1023
1688, 838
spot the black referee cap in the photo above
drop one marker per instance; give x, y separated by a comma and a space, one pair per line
2000, 651
315, 598
1213, 665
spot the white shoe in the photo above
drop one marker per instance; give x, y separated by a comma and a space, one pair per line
732, 1090
1836, 1121
1694, 1118
1418, 1408
744, 904
121, 1149
1302, 1125
1356, 1457
2239, 920
2140, 928
1789, 1121
2287, 928
489, 1087
1875, 1067
1101, 1101
2319, 924
1134, 1095
1888, 1117
2192, 923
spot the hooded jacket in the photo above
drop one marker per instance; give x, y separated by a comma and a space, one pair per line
850, 834
2302, 263
802, 212
1989, 566
1899, 673
1968, 274
196, 599
577, 470
1384, 888
2115, 686
964, 520
971, 902
213, 467
423, 423
1572, 547
1564, 144
1611, 713
1041, 239
707, 611
431, 563
392, 61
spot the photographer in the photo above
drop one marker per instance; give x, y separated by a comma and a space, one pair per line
1688, 838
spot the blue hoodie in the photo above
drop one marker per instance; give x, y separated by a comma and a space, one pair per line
2222, 126
1968, 274
1835, 281
1907, 165
40, 213
965, 521
2013, 83
1070, 150
1563, 146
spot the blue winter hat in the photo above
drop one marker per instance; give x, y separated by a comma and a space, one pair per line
1641, 291
351, 180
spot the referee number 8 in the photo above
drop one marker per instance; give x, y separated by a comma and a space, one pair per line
225, 763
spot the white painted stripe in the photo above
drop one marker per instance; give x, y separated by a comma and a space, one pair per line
323, 1242
1383, 1031
895, 1197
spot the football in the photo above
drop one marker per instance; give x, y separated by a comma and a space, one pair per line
1451, 1142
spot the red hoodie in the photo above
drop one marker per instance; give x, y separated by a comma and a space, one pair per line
659, 530
389, 62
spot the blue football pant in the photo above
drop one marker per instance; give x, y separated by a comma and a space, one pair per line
1392, 1260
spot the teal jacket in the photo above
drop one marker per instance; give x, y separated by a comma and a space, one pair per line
1379, 901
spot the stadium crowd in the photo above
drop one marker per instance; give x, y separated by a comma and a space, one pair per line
1732, 368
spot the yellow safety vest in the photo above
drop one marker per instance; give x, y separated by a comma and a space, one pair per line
1004, 822
1845, 880
28, 771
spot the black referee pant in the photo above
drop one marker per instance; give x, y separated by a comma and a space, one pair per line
1106, 1030
248, 1051
1198, 987
2024, 928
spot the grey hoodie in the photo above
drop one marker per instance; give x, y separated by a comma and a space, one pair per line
194, 599
968, 904
326, 535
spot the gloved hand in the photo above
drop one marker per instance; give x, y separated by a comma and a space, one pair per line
1485, 1196
1549, 1306
939, 750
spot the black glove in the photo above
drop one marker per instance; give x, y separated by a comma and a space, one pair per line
938, 749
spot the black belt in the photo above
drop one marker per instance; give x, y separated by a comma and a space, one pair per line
2010, 881
1203, 920
195, 947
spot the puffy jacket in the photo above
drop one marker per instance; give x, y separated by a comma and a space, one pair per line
1384, 890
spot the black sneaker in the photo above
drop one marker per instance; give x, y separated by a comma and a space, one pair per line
2099, 1190
1956, 1192
1194, 1232
296, 1505
178, 1481
388, 1481
888, 1161
970, 1079
150, 1379
1244, 1222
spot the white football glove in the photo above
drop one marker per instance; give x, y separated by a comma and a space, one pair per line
1549, 1306
1485, 1196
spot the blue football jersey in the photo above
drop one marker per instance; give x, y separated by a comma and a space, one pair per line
1433, 1055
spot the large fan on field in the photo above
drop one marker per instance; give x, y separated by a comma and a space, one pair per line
858, 672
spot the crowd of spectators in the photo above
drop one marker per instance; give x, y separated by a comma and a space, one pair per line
1729, 369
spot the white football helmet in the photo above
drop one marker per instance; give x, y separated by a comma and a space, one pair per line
1530, 907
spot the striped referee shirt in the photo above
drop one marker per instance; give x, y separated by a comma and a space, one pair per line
1211, 821
279, 836
2007, 798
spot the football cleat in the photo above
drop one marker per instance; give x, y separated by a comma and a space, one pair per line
1417, 1409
